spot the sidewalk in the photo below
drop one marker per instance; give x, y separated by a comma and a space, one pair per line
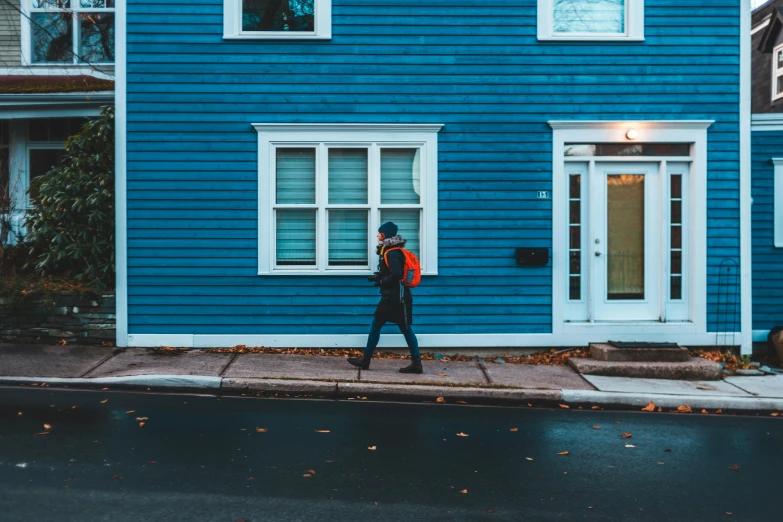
331, 377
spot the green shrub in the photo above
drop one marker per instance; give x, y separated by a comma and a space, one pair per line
72, 220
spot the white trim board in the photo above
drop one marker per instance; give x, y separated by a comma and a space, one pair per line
232, 24
746, 273
397, 341
120, 173
634, 25
766, 122
53, 70
778, 202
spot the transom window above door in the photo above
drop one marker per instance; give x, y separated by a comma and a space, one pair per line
277, 19
591, 20
68, 31
324, 193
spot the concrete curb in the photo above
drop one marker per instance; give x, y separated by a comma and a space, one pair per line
135, 381
696, 402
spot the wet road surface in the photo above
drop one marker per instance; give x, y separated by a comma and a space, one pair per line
206, 458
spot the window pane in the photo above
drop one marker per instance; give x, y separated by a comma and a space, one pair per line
575, 242
400, 176
348, 176
627, 149
589, 16
54, 129
41, 162
278, 15
780, 59
676, 288
97, 38
295, 176
408, 223
676, 237
348, 238
625, 242
52, 36
780, 84
676, 186
574, 212
575, 288
51, 4
295, 237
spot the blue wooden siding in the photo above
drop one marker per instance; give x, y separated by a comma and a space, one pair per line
767, 260
473, 65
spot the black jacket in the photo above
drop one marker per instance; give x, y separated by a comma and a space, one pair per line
396, 304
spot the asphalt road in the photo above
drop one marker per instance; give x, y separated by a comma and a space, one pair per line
201, 458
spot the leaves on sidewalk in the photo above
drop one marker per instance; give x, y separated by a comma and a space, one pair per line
47, 426
597, 427
565, 406
514, 430
564, 453
261, 430
322, 431
130, 412
626, 435
684, 409
464, 491
460, 434
649, 407
372, 448
440, 399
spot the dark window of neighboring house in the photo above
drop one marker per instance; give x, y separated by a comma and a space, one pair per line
42, 161
278, 15
5, 177
72, 31
54, 129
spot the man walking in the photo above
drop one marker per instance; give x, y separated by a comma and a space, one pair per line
396, 304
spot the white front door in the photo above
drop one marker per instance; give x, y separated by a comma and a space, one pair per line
624, 241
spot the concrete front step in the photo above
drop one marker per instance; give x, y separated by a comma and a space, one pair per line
694, 369
607, 352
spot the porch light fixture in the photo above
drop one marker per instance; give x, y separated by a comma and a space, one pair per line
631, 134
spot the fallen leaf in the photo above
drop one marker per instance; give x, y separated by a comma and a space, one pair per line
311, 471
718, 411
528, 458
19, 414
514, 430
649, 407
464, 491
330, 461
529, 405
372, 448
596, 407
442, 375
660, 409
261, 430
461, 402
460, 434
564, 453
775, 414
48, 426
117, 477
440, 399
141, 424
250, 478
491, 511
130, 411
705, 412
630, 446
734, 467
43, 433
104, 401
597, 427
684, 409
307, 475
322, 431
104, 389
142, 418
626, 435
661, 463
565, 406
153, 462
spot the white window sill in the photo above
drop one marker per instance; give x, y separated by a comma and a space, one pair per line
277, 36
578, 38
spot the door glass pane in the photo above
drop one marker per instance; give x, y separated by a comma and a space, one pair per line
295, 237
295, 176
625, 237
348, 238
400, 176
408, 222
589, 16
274, 15
348, 176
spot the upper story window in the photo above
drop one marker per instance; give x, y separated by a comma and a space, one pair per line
277, 19
777, 73
591, 20
68, 31
325, 189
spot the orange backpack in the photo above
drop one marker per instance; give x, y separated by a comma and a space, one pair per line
411, 275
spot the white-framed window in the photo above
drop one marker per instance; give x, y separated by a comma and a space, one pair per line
277, 19
324, 189
609, 20
777, 73
778, 202
68, 32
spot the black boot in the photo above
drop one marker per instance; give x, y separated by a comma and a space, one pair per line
360, 362
413, 367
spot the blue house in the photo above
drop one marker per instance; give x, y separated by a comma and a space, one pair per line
568, 171
767, 168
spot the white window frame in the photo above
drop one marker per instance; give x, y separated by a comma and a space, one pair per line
778, 202
372, 136
232, 24
26, 32
634, 25
776, 73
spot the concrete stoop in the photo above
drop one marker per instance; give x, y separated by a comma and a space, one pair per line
649, 363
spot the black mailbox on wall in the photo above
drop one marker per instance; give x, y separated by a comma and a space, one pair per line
532, 256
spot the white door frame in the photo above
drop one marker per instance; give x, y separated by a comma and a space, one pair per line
686, 131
